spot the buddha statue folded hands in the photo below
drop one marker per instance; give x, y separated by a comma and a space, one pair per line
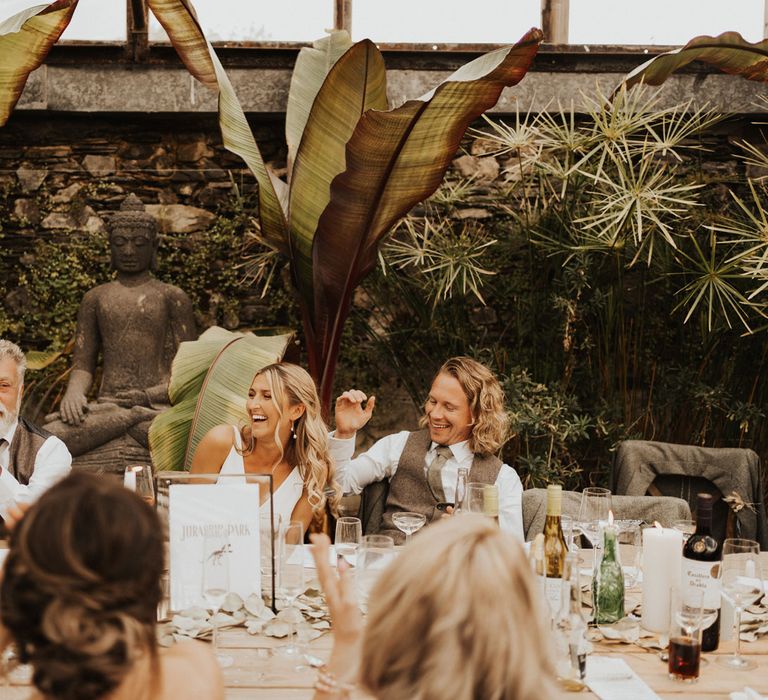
135, 322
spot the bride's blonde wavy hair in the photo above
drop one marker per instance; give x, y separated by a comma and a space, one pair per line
308, 450
81, 586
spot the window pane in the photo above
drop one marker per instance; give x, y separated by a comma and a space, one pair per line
93, 20
444, 21
666, 22
248, 20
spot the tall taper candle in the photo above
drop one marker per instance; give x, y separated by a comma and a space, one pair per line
662, 562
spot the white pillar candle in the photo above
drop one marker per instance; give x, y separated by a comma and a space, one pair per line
129, 479
662, 562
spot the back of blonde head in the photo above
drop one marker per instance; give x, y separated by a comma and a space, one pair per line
454, 617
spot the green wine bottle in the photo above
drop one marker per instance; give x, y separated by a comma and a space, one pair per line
608, 581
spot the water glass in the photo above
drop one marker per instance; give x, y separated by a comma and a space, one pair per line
373, 556
687, 527
349, 533
483, 499
630, 544
138, 478
291, 577
686, 616
215, 583
741, 583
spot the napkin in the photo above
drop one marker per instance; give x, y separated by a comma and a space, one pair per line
746, 694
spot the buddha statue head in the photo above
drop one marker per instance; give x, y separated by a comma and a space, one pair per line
133, 238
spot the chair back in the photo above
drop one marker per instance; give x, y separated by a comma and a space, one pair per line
372, 502
646, 467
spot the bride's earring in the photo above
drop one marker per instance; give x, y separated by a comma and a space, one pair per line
293, 431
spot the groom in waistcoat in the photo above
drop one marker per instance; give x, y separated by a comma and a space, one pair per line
464, 425
31, 459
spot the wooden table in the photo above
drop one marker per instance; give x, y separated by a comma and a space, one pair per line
258, 674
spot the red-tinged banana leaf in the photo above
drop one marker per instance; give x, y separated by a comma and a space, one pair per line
179, 21
356, 83
394, 160
25, 40
312, 65
729, 52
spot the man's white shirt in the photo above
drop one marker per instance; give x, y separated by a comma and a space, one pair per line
52, 463
381, 460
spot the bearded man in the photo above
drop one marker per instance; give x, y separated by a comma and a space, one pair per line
31, 459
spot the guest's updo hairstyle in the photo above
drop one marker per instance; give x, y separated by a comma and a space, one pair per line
81, 586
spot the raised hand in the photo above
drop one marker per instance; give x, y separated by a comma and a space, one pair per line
350, 414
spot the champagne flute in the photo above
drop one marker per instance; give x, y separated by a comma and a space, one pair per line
741, 583
408, 522
482, 498
215, 584
349, 532
138, 478
291, 578
593, 512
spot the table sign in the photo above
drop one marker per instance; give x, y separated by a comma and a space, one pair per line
194, 507
662, 564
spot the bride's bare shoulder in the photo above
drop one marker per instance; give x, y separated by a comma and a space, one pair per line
190, 670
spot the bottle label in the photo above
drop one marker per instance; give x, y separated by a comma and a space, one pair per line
701, 575
553, 589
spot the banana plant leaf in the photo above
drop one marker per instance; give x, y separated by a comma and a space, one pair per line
40, 359
25, 40
209, 382
312, 65
356, 83
394, 160
180, 22
729, 52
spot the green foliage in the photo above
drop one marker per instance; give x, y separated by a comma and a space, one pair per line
603, 274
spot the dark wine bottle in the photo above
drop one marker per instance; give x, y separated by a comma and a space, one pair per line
700, 554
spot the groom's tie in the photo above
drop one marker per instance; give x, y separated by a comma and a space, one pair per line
434, 472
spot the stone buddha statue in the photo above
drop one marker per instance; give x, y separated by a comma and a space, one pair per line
136, 323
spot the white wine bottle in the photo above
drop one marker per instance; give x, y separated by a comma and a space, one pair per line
555, 549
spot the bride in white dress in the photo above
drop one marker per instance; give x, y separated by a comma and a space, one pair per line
284, 436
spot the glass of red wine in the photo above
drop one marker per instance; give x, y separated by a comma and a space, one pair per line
687, 615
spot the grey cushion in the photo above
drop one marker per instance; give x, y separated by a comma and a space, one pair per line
663, 509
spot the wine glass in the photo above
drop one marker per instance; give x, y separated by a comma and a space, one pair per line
483, 499
741, 583
687, 527
215, 584
629, 540
138, 478
408, 523
349, 532
593, 512
291, 578
373, 556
